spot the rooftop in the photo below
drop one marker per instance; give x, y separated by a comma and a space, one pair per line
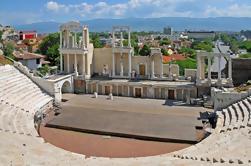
27, 55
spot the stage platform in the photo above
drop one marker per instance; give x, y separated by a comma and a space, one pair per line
139, 125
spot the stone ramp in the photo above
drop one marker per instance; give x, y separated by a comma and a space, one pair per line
171, 128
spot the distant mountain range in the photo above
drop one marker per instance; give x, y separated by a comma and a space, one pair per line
152, 24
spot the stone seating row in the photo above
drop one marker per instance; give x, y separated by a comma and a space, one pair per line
19, 90
20, 98
20, 146
229, 143
16, 121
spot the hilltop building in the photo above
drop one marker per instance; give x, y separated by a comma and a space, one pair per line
27, 35
31, 60
168, 31
200, 35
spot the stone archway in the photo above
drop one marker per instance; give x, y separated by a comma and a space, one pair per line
66, 87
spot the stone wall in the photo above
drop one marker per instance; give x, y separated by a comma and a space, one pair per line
241, 71
103, 57
191, 73
223, 99
46, 85
175, 69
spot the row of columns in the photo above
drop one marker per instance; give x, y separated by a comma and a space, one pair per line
122, 64
65, 39
152, 68
200, 61
130, 66
75, 64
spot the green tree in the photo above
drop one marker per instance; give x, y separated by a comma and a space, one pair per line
96, 40
44, 69
164, 51
204, 45
134, 44
165, 41
230, 41
187, 51
1, 34
136, 50
53, 54
245, 45
49, 47
145, 51
8, 50
245, 56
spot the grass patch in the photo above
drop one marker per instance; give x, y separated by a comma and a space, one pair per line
5, 61
245, 55
189, 63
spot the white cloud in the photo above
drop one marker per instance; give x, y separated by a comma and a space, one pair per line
53, 6
148, 8
234, 10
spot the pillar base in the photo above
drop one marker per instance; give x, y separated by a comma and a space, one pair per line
198, 81
152, 76
209, 81
219, 83
76, 73
230, 82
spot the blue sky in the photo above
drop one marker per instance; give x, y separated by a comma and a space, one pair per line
29, 11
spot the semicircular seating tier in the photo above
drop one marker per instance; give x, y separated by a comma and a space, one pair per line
20, 99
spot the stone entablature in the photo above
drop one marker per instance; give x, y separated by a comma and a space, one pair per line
182, 91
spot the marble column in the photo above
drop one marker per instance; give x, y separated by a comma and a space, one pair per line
121, 68
188, 98
67, 39
113, 64
152, 65
161, 68
75, 65
97, 87
61, 41
146, 69
121, 39
88, 72
230, 68
75, 40
61, 63
64, 39
61, 56
130, 64
83, 66
68, 63
83, 38
72, 41
129, 39
198, 74
209, 76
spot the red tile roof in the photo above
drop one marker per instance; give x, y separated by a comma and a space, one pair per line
174, 57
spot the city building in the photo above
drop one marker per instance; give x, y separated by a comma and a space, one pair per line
31, 60
168, 30
200, 35
27, 35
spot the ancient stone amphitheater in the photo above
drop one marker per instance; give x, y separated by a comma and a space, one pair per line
20, 99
